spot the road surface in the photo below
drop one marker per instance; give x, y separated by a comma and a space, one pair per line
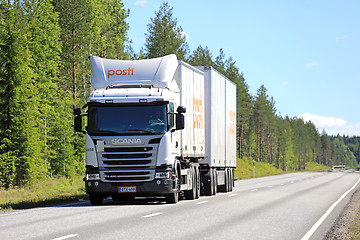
289, 206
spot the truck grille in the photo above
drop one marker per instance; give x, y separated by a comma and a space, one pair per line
128, 164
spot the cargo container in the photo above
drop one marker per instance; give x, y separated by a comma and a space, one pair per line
158, 127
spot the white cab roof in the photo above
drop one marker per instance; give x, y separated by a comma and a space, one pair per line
158, 72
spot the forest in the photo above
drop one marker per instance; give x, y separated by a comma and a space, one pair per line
45, 74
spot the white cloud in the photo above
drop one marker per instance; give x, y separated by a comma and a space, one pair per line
339, 39
141, 3
186, 35
332, 125
321, 121
312, 64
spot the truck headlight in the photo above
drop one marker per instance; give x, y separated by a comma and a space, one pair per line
162, 175
93, 176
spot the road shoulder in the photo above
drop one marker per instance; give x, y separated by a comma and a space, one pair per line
344, 225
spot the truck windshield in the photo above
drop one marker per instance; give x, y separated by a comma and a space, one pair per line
127, 120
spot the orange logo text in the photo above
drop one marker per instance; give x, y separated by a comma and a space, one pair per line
198, 110
232, 123
129, 71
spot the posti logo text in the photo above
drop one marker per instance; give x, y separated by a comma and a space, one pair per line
119, 72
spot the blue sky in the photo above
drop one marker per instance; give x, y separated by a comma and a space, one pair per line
306, 53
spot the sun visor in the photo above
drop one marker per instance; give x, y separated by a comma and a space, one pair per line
158, 72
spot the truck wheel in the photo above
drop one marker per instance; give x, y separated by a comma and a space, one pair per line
191, 194
174, 197
208, 183
231, 180
215, 182
197, 185
225, 187
96, 200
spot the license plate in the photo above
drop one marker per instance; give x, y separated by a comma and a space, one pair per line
127, 189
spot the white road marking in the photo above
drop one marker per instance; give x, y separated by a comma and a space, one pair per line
66, 237
152, 215
269, 186
253, 190
201, 202
282, 184
327, 213
234, 194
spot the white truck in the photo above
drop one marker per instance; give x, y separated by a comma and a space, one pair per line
158, 127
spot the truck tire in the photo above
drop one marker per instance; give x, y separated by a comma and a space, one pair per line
96, 200
208, 183
191, 194
214, 190
173, 197
231, 181
225, 188
197, 184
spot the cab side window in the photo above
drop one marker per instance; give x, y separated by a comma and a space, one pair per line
171, 115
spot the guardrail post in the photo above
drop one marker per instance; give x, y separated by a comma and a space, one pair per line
254, 167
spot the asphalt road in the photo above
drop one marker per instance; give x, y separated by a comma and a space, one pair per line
289, 206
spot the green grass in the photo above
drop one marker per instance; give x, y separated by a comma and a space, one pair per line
315, 167
354, 229
42, 193
245, 169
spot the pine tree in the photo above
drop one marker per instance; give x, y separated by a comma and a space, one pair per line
201, 57
18, 99
326, 148
164, 36
264, 113
109, 28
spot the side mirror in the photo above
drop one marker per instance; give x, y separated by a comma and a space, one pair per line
180, 121
78, 120
181, 109
77, 111
78, 123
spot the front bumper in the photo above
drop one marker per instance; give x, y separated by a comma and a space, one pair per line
157, 187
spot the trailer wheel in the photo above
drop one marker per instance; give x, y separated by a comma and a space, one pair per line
96, 200
214, 182
231, 179
225, 187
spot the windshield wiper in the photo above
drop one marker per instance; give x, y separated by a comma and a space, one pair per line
106, 132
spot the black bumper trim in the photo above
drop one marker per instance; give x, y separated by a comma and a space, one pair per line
142, 189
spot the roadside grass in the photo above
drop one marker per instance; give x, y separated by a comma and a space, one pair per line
245, 169
315, 167
354, 228
43, 193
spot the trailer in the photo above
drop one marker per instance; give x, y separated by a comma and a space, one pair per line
158, 127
